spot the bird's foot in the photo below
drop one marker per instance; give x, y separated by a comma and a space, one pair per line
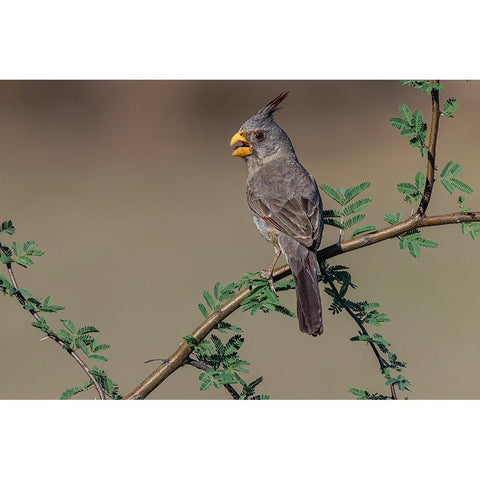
267, 274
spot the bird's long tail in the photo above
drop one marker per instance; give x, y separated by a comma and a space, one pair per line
304, 266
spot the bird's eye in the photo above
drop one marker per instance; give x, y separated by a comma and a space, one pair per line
260, 135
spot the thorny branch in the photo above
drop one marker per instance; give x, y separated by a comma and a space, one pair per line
21, 298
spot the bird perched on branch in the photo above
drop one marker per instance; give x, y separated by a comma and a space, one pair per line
286, 206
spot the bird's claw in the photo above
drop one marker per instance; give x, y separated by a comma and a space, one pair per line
267, 274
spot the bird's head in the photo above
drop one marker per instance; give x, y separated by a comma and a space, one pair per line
260, 136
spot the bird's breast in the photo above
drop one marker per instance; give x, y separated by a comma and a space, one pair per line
268, 232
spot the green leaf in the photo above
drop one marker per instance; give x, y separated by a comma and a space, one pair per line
99, 358
224, 326
81, 344
351, 193
5, 258
87, 329
238, 366
407, 188
233, 344
413, 242
428, 243
288, 284
203, 309
333, 193
353, 220
450, 106
332, 213
47, 307
448, 185
362, 394
255, 383
28, 244
191, 340
209, 299
206, 381
332, 222
379, 340
364, 229
449, 180
42, 325
446, 169
417, 122
376, 318
217, 288
226, 377
7, 227
418, 142
69, 325
392, 219
420, 180
24, 261
399, 123
102, 346
406, 112
29, 248
229, 291
357, 206
423, 85
17, 248
219, 346
70, 392
25, 292
400, 381
459, 185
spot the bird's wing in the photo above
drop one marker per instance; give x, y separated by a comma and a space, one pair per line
298, 217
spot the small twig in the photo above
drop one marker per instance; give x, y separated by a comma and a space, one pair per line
21, 298
381, 361
203, 366
393, 392
163, 360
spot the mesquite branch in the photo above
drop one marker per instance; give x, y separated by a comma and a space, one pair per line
177, 359
21, 298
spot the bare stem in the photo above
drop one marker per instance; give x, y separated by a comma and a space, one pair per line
21, 298
432, 149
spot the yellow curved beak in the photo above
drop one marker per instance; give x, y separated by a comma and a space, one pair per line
244, 148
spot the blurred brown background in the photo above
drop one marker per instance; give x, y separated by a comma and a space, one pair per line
131, 189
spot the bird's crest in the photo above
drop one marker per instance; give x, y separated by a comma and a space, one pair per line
273, 106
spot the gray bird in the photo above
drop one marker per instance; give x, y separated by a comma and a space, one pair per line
286, 206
